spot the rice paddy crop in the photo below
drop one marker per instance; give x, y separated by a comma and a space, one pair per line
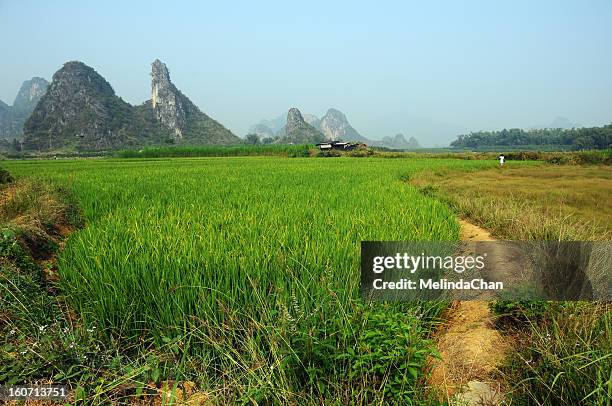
249, 266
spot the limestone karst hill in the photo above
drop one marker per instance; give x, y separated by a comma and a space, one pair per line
80, 111
298, 131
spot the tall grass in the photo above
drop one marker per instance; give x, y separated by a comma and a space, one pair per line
216, 150
567, 359
594, 157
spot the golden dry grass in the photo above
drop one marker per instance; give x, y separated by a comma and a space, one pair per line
535, 202
37, 213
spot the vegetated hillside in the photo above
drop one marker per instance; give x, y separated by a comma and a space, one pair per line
80, 111
12, 118
575, 138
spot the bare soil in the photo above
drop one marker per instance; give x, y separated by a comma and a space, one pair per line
470, 347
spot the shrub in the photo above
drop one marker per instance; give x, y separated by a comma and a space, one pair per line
332, 153
509, 312
5, 176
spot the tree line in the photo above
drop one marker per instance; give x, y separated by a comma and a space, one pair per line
574, 138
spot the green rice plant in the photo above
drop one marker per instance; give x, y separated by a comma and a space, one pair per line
247, 269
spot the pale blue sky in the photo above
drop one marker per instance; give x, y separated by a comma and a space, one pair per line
428, 69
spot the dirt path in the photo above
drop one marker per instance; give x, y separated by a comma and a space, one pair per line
470, 347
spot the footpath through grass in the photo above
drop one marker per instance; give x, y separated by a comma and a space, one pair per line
565, 354
241, 275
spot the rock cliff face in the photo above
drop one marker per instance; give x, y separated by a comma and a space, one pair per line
177, 113
12, 118
81, 111
335, 126
298, 131
166, 99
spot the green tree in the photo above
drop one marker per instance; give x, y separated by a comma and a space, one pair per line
252, 139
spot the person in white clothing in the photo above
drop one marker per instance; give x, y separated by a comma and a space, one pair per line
502, 160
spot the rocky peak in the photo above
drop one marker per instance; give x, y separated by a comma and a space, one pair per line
29, 94
294, 120
298, 131
334, 114
335, 126
160, 72
79, 108
74, 77
166, 99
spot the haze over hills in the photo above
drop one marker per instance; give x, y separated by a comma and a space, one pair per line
334, 126
12, 118
298, 131
399, 141
81, 111
559, 122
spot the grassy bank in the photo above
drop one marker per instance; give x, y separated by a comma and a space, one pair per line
35, 327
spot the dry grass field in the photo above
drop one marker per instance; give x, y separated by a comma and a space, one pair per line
530, 202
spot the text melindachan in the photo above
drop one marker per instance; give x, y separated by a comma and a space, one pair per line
441, 284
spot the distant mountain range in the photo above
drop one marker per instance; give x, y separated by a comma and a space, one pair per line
399, 141
12, 118
80, 111
559, 122
333, 126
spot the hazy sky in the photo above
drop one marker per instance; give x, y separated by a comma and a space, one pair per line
428, 69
